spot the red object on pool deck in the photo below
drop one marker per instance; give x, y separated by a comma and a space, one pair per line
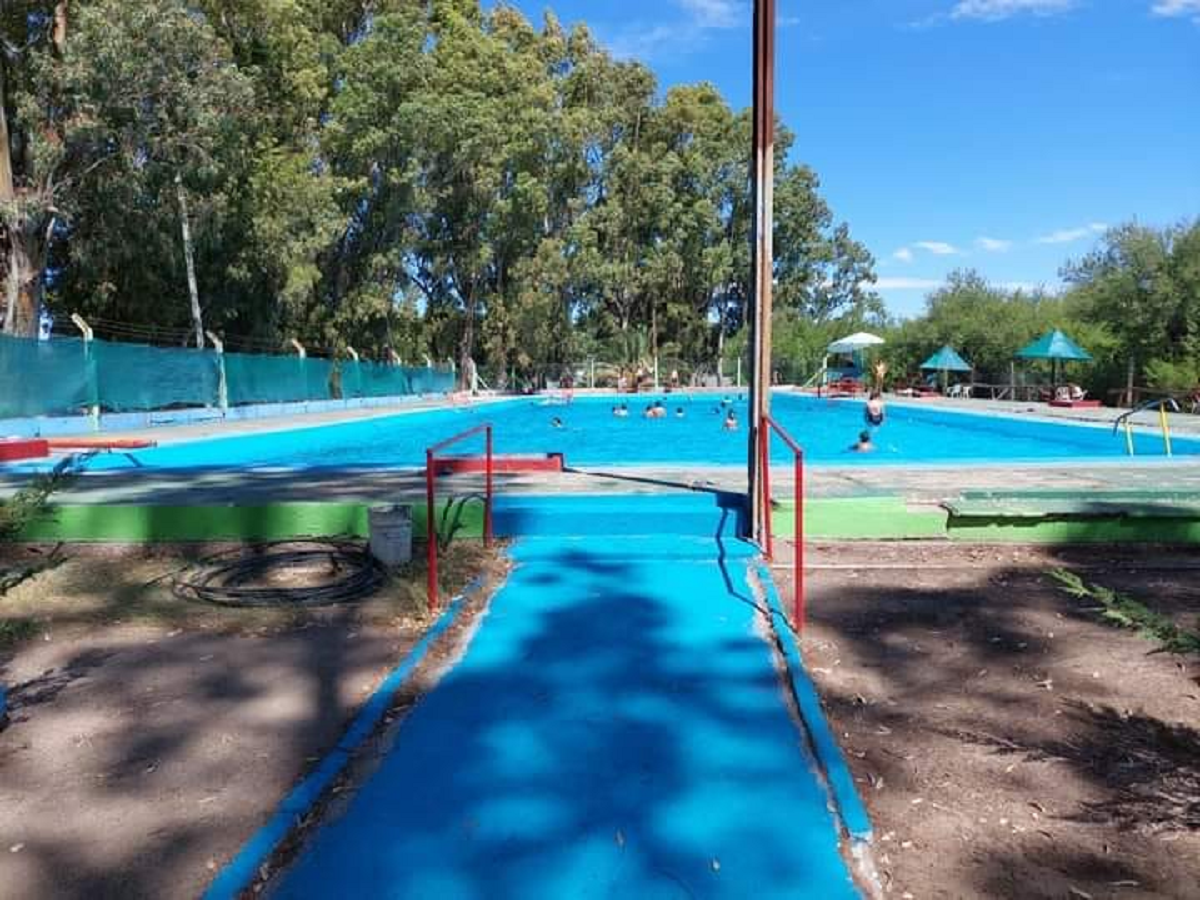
1076, 404
100, 444
510, 465
799, 594
23, 448
431, 473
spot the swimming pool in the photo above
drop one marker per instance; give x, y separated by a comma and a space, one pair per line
591, 436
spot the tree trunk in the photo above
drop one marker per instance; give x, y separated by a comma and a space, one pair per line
467, 346
60, 27
189, 262
7, 198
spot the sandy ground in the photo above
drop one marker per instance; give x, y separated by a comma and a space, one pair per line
149, 739
1006, 742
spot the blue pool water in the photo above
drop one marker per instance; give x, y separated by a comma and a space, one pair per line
591, 436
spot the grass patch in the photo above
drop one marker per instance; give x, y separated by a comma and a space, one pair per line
1125, 612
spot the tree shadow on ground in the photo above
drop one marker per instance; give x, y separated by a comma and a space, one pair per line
609, 719
139, 758
991, 693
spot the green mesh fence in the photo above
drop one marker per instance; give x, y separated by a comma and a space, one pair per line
39, 378
68, 376
134, 377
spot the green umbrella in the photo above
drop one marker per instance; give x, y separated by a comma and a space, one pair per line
1056, 347
946, 360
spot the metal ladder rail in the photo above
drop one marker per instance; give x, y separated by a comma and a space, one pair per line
1163, 404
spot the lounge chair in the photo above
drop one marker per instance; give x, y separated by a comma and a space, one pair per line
1072, 396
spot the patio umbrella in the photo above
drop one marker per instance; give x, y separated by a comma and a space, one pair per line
946, 361
855, 342
1056, 347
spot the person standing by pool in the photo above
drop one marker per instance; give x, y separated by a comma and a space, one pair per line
874, 413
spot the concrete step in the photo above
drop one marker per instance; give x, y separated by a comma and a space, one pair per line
698, 514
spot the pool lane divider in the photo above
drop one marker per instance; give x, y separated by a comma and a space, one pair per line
240, 872
832, 762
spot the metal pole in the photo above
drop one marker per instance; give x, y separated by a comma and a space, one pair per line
431, 532
762, 175
764, 459
798, 611
487, 509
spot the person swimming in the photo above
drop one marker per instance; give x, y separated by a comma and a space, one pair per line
731, 421
556, 422
679, 413
873, 413
864, 444
621, 412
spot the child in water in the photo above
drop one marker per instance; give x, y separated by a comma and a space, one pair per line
731, 421
864, 444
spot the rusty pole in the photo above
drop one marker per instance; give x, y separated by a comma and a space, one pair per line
762, 263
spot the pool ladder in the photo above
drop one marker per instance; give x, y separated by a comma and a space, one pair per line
1163, 404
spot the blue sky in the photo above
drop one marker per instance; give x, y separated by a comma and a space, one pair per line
998, 134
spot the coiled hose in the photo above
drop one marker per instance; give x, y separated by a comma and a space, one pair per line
233, 578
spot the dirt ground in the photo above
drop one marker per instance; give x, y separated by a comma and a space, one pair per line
150, 737
1006, 741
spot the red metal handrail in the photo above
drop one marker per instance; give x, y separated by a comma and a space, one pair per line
431, 550
768, 425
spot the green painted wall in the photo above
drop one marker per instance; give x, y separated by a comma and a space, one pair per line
103, 523
860, 518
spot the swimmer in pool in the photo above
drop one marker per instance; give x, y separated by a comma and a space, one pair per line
864, 444
620, 412
874, 410
679, 413
731, 421
556, 422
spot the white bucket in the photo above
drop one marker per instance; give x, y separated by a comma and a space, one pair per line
391, 534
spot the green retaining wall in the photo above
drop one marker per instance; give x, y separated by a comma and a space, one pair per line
117, 523
829, 519
861, 518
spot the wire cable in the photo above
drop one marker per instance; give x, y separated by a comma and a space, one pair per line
234, 578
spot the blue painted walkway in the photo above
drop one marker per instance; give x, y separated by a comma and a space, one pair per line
616, 729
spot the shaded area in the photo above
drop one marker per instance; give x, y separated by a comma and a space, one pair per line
1007, 742
616, 728
150, 737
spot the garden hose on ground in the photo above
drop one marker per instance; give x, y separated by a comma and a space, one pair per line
240, 577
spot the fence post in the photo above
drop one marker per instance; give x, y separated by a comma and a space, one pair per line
88, 336
222, 384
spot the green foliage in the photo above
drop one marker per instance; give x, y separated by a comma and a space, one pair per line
1134, 300
1125, 612
31, 502
442, 179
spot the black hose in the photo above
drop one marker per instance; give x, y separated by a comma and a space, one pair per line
221, 580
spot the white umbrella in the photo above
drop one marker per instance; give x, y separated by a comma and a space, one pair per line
855, 342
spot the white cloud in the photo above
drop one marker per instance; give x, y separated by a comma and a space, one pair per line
993, 245
1069, 235
909, 284
716, 13
904, 254
938, 248
998, 10
683, 35
1174, 9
